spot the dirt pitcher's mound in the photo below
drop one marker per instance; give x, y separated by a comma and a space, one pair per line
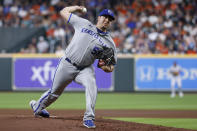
67, 120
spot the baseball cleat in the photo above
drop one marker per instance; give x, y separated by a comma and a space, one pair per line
181, 94
42, 113
172, 95
89, 124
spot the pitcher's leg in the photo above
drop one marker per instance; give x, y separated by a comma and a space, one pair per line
65, 73
179, 83
49, 97
173, 92
38, 106
87, 78
91, 94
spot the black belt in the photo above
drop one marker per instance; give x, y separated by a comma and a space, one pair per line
74, 64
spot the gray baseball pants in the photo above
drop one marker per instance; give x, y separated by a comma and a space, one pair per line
65, 74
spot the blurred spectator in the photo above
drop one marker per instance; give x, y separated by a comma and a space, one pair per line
42, 45
32, 46
54, 2
141, 26
60, 34
22, 51
59, 51
31, 49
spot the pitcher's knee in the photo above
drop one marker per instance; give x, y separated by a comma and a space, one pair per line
89, 82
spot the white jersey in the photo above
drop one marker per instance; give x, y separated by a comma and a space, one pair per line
175, 78
87, 38
175, 70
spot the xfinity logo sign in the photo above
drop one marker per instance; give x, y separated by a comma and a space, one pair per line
38, 74
44, 73
149, 73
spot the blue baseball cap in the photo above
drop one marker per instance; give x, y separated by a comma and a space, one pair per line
107, 12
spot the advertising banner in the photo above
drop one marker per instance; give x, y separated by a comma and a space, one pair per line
152, 74
38, 73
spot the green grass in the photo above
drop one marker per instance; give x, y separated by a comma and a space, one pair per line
20, 100
169, 122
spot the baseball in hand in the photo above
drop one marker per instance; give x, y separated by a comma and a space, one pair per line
84, 10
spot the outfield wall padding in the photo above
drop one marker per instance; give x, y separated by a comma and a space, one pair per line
5, 74
124, 75
132, 73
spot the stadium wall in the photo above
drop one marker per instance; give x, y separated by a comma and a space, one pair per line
34, 72
124, 74
5, 73
152, 72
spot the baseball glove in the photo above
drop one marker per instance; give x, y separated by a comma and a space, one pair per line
106, 57
101, 64
175, 73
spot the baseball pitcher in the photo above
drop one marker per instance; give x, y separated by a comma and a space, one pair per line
175, 71
89, 42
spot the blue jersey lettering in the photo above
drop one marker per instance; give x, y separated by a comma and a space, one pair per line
92, 33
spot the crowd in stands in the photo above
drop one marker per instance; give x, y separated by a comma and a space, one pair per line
141, 26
